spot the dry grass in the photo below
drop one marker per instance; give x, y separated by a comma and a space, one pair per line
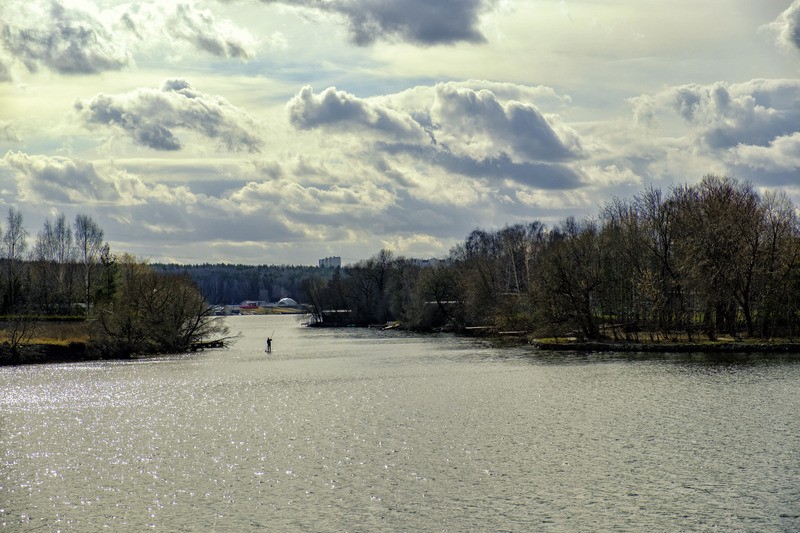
59, 333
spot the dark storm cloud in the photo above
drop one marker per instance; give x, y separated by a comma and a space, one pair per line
68, 41
421, 22
150, 116
307, 110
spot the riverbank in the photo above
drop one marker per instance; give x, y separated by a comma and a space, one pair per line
58, 345
43, 352
46, 352
670, 347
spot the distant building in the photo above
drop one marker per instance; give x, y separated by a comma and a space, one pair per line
330, 262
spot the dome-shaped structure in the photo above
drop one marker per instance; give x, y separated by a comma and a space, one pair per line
287, 302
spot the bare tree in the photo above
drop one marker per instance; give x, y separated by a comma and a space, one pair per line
721, 227
53, 257
781, 262
90, 249
570, 277
437, 299
15, 244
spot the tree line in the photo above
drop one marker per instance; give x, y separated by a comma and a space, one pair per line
232, 284
698, 261
58, 273
67, 272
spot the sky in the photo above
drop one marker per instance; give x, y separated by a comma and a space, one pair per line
285, 131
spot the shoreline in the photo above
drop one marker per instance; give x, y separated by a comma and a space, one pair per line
39, 353
670, 347
75, 352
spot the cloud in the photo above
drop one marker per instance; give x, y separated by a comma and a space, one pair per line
786, 28
8, 133
538, 95
5, 64
458, 119
419, 22
725, 115
452, 127
477, 124
494, 168
131, 210
417, 100
151, 117
299, 202
183, 21
540, 175
644, 111
63, 180
79, 38
783, 153
330, 107
64, 39
611, 175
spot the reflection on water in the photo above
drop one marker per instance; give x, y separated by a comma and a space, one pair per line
363, 430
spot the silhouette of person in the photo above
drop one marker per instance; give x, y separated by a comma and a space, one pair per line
269, 345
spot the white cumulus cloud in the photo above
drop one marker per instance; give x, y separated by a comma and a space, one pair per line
64, 180
76, 37
786, 27
154, 117
783, 153
477, 124
340, 109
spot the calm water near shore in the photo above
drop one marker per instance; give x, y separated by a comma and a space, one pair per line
367, 430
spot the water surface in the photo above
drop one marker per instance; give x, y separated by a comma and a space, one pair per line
366, 430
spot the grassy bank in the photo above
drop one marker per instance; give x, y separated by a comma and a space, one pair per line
40, 341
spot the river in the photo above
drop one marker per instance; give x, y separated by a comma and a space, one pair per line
368, 430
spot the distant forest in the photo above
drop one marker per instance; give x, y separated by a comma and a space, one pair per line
223, 284
705, 260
